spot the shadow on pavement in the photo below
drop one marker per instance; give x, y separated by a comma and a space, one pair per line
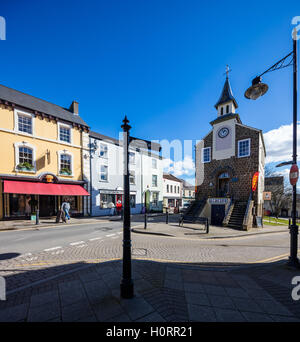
164, 292
6, 256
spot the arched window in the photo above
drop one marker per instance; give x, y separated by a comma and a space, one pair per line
222, 110
227, 109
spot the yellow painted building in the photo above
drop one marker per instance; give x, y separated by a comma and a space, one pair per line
43, 156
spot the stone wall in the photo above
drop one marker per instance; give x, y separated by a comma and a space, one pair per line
240, 170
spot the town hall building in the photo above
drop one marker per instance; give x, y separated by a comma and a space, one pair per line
227, 158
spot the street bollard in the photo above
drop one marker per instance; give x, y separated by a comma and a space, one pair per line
167, 216
207, 227
37, 217
145, 221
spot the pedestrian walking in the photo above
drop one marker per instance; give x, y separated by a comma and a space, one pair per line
65, 207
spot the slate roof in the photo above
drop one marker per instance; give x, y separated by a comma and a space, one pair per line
99, 136
33, 103
226, 95
171, 177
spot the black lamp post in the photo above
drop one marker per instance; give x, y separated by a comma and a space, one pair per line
126, 282
259, 89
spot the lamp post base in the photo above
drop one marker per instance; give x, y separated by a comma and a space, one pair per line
293, 263
126, 287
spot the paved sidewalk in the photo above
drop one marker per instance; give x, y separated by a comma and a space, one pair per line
50, 222
198, 231
164, 292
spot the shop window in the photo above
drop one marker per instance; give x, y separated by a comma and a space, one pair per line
132, 201
107, 201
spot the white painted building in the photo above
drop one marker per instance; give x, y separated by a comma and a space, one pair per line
172, 191
146, 172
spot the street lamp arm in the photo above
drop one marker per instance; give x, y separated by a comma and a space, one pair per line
280, 64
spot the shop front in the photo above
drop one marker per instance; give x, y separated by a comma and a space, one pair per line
22, 198
112, 199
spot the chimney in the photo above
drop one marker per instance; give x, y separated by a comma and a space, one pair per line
74, 108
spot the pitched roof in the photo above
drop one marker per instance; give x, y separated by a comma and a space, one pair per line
226, 95
171, 177
99, 136
33, 103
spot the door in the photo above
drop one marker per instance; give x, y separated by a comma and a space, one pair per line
217, 214
47, 206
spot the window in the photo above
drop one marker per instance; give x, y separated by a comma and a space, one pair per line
154, 180
178, 189
227, 109
206, 155
222, 110
65, 164
132, 201
25, 123
154, 163
103, 173
171, 188
103, 151
155, 199
244, 148
107, 201
167, 187
131, 158
132, 177
64, 134
25, 155
190, 193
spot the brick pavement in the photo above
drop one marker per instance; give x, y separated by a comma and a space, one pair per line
164, 292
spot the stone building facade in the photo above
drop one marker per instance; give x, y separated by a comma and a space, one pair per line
226, 160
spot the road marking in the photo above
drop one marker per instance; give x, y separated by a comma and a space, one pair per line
98, 238
80, 246
109, 235
77, 243
51, 249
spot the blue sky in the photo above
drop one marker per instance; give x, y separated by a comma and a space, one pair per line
161, 62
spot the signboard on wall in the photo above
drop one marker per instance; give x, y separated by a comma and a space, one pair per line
267, 196
218, 200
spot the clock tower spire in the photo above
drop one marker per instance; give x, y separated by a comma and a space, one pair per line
226, 103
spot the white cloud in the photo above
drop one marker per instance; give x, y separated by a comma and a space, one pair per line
279, 144
181, 168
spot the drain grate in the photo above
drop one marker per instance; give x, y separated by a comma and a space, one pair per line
139, 251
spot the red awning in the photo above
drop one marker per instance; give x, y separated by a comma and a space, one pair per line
32, 188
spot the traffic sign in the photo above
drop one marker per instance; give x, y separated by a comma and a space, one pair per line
294, 174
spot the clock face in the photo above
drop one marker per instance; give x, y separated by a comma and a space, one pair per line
223, 132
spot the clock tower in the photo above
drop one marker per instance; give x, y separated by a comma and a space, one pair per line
226, 160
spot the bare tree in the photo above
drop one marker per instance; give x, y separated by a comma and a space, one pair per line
280, 188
